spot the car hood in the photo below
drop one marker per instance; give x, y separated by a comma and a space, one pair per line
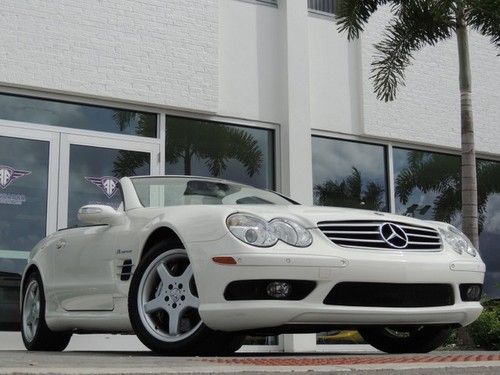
309, 216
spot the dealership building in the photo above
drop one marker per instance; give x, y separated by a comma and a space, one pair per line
91, 91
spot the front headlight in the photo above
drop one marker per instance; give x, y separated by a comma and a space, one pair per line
457, 240
256, 231
291, 232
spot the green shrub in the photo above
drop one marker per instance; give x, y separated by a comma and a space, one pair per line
485, 331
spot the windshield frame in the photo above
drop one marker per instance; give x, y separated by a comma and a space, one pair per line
202, 178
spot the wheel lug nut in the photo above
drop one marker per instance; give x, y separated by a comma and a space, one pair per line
174, 305
170, 286
183, 298
167, 298
180, 286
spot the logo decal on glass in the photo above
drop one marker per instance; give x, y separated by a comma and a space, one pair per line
108, 184
9, 174
393, 235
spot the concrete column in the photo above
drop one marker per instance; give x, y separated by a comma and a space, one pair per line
295, 126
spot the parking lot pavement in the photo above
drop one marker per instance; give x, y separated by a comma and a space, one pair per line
74, 362
105, 354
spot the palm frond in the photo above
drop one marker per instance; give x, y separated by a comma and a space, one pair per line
484, 16
352, 15
419, 23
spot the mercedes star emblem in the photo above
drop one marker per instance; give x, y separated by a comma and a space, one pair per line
393, 235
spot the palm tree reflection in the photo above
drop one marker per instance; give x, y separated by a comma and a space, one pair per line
350, 193
187, 140
440, 174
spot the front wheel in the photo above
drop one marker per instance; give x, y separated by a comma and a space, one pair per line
395, 340
163, 306
35, 333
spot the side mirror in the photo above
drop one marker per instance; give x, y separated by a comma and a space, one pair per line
96, 214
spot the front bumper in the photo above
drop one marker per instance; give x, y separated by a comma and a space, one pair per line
327, 265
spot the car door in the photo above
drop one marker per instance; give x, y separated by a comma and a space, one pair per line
85, 268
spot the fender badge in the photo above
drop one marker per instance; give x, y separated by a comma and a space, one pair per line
120, 251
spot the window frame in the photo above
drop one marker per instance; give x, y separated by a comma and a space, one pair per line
275, 142
89, 104
322, 13
269, 3
385, 148
390, 145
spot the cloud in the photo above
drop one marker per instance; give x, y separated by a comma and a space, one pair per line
334, 159
492, 222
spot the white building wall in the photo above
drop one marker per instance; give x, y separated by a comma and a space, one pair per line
330, 87
152, 51
427, 110
251, 61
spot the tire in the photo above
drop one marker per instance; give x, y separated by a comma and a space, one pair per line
396, 340
34, 331
163, 307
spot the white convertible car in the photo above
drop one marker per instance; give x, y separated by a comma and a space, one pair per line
192, 264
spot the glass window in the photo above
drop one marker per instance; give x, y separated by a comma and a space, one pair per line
77, 116
349, 174
214, 149
94, 174
428, 186
24, 168
488, 181
324, 6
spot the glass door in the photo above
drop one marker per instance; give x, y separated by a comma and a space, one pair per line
91, 167
28, 196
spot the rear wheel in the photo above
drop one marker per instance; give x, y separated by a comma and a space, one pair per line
163, 307
35, 333
421, 339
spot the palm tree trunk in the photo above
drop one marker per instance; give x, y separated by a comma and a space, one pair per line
469, 178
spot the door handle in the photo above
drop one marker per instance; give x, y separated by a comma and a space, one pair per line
60, 244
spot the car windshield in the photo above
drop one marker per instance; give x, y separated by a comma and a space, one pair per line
178, 191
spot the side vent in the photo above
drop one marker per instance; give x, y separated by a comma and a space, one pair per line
125, 270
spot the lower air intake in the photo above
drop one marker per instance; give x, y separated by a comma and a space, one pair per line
390, 295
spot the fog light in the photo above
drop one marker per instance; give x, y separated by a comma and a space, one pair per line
278, 289
471, 292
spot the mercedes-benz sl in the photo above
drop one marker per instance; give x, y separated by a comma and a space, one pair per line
192, 265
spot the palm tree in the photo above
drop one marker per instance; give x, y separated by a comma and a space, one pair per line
349, 193
418, 23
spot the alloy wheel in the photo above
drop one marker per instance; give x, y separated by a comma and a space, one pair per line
167, 297
31, 310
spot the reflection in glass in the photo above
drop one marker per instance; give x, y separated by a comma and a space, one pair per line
24, 168
428, 186
204, 148
94, 174
23, 215
77, 116
349, 174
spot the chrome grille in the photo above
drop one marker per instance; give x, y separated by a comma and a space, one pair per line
370, 234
